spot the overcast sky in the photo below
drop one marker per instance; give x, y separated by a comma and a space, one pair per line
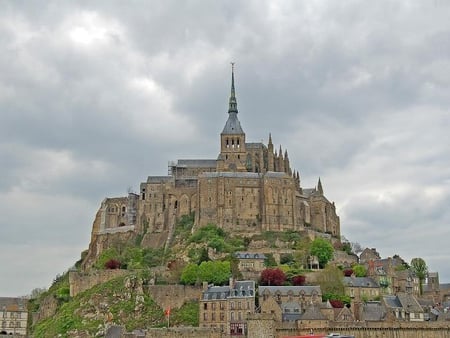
96, 96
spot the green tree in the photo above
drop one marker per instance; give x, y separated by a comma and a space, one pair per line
303, 249
331, 281
216, 272
359, 270
323, 250
270, 260
419, 267
190, 274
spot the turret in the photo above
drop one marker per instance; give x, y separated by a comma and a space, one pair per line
319, 187
281, 160
270, 163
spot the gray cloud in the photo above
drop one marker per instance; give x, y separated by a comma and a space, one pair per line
96, 96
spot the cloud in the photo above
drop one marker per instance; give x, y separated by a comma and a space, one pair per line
95, 97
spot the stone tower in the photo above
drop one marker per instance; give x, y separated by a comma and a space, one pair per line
233, 154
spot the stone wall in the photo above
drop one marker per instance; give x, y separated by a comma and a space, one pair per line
185, 332
375, 330
81, 281
173, 296
47, 308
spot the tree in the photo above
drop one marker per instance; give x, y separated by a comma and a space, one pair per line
216, 272
419, 267
190, 274
272, 277
359, 270
298, 280
331, 281
323, 250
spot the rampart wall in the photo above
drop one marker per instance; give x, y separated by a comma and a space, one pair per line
81, 281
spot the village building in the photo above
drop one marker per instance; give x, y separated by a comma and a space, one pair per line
14, 316
227, 307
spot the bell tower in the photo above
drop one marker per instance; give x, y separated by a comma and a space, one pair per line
232, 139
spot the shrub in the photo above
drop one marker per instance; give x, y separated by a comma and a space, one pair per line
348, 272
272, 277
336, 303
112, 264
298, 280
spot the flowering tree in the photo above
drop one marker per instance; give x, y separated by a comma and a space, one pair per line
298, 280
272, 277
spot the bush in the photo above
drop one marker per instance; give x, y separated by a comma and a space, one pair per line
272, 277
298, 280
348, 272
112, 264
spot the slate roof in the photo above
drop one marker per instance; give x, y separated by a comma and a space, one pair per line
13, 304
230, 174
240, 289
232, 126
392, 301
361, 282
313, 312
284, 290
249, 255
276, 174
404, 301
373, 311
409, 303
254, 145
196, 163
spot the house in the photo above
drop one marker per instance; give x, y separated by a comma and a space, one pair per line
14, 316
288, 303
404, 307
361, 288
227, 307
372, 311
250, 264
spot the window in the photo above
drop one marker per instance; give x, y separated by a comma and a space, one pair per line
232, 315
205, 316
222, 316
205, 306
231, 305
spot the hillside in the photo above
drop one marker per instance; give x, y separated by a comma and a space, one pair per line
127, 300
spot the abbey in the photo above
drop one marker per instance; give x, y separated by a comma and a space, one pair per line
249, 188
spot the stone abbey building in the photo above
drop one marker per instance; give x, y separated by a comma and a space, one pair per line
249, 188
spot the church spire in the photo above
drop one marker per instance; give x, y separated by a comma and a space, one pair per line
319, 187
232, 107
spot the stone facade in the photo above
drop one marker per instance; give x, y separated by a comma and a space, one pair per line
14, 316
227, 307
248, 189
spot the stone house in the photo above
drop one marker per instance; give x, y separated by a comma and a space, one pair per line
361, 288
14, 316
250, 264
227, 307
404, 307
288, 303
